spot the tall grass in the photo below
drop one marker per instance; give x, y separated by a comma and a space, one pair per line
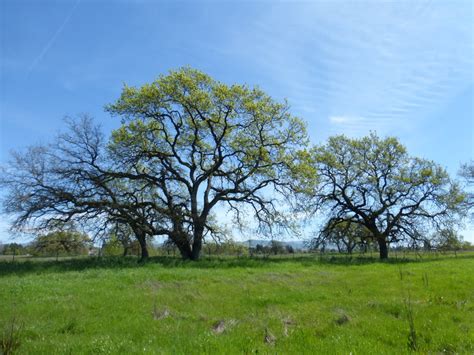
295, 305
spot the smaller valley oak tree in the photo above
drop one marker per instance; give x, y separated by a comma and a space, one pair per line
373, 182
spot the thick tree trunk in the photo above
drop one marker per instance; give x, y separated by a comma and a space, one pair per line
185, 250
141, 237
383, 248
197, 241
350, 248
180, 239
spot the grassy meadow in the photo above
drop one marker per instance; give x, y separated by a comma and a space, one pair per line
294, 305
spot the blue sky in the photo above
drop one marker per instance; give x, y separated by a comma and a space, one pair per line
402, 68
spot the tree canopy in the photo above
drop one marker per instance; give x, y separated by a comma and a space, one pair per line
187, 144
61, 242
467, 173
373, 182
345, 235
201, 143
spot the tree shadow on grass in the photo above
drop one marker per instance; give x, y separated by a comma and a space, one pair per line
39, 266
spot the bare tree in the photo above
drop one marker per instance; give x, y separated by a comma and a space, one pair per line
73, 179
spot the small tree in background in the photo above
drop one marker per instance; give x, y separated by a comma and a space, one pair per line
345, 235
61, 243
13, 249
125, 236
448, 240
276, 247
112, 246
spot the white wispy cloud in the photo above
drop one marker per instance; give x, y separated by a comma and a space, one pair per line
345, 119
360, 66
357, 125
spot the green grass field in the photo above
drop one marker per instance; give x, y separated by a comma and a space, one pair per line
297, 305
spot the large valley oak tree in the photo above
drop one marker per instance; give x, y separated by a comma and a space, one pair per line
202, 143
187, 144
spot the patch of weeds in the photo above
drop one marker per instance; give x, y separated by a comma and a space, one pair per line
287, 322
424, 277
439, 300
412, 336
393, 310
456, 319
71, 327
373, 304
103, 345
342, 318
11, 340
159, 314
321, 333
404, 274
269, 337
400, 273
221, 326
448, 349
461, 304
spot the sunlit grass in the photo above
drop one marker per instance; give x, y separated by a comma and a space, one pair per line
298, 305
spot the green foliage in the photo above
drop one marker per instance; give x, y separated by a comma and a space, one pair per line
449, 240
345, 235
113, 247
64, 242
197, 143
227, 247
467, 173
244, 117
277, 247
10, 339
374, 183
14, 249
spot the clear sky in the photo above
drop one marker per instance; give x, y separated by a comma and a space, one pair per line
404, 68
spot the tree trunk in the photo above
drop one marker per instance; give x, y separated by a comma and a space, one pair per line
141, 237
185, 250
350, 248
383, 248
180, 239
197, 241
